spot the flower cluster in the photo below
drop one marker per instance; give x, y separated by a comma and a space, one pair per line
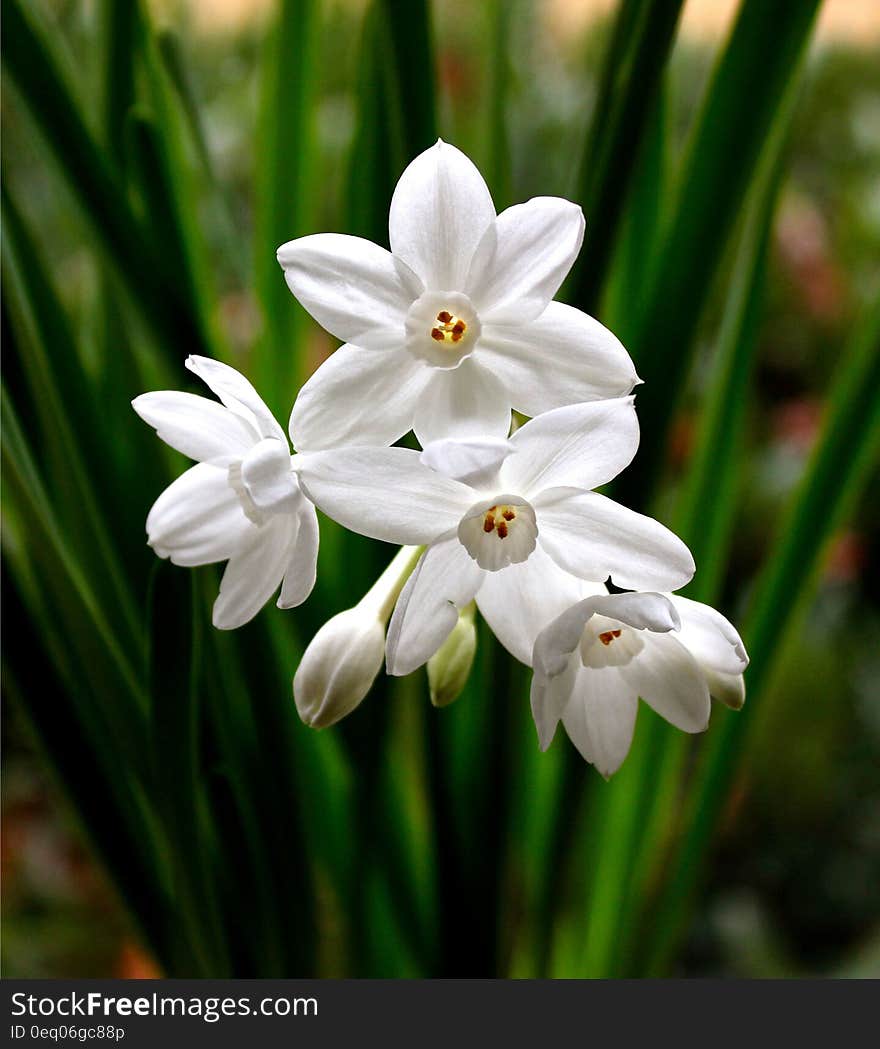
446, 334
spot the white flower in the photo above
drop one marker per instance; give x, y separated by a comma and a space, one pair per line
593, 662
241, 503
512, 522
342, 660
455, 325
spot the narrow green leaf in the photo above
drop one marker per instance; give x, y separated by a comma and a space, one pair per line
172, 670
284, 191
183, 185
628, 93
118, 691
169, 51
378, 152
750, 82
119, 842
846, 455
63, 400
500, 14
705, 513
642, 223
152, 173
120, 29
410, 55
31, 62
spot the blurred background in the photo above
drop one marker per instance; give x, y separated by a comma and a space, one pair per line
789, 885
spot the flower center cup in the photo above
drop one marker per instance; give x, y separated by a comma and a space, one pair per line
500, 534
442, 328
607, 643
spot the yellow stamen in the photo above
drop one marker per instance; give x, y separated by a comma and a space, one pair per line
492, 524
449, 328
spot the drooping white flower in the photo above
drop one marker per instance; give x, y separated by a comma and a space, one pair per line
513, 523
455, 325
593, 662
242, 503
342, 660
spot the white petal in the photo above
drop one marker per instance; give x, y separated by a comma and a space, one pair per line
710, 638
553, 657
302, 562
254, 572
601, 717
443, 582
198, 519
519, 601
578, 446
668, 679
356, 290
384, 493
641, 611
237, 394
475, 462
440, 209
268, 479
358, 397
563, 357
201, 429
467, 401
519, 266
729, 689
549, 696
594, 538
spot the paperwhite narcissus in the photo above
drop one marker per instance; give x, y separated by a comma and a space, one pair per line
242, 503
342, 660
455, 325
593, 662
510, 522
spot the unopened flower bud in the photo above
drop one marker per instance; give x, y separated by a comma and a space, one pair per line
339, 666
450, 666
342, 660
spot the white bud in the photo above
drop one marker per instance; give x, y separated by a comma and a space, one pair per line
339, 666
450, 666
342, 660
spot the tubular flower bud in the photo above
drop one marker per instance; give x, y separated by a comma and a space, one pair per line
342, 660
450, 667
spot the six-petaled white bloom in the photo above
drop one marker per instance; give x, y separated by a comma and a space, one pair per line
241, 503
503, 520
455, 325
594, 661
